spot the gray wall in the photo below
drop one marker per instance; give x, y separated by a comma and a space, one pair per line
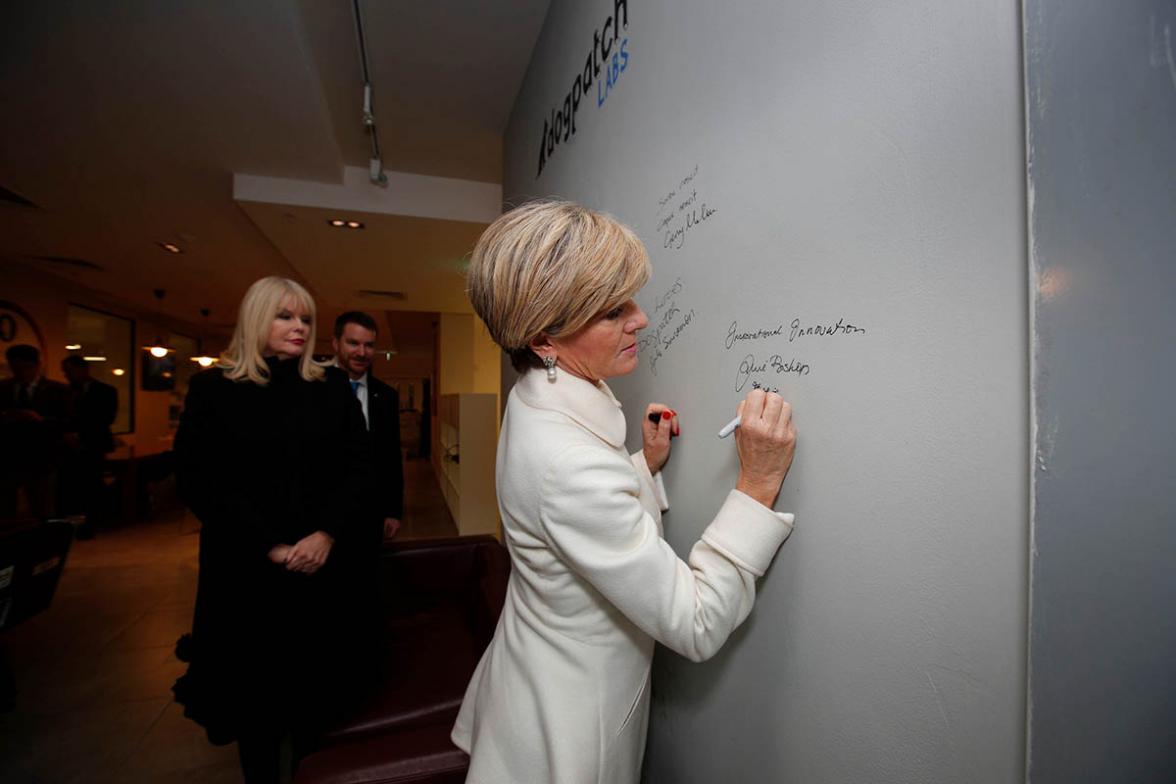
1101, 86
860, 164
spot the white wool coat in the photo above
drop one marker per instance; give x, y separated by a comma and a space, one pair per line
561, 695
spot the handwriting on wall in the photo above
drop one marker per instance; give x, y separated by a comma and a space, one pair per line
765, 367
681, 210
668, 321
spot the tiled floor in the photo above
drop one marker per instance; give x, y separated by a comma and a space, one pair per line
94, 672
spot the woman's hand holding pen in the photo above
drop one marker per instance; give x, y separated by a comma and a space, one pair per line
657, 426
766, 442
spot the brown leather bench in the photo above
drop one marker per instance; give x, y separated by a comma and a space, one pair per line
422, 755
442, 599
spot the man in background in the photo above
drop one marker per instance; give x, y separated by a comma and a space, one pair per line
34, 414
95, 406
354, 344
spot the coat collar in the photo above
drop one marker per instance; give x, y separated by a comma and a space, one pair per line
590, 405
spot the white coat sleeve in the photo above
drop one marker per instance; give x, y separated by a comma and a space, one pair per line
656, 485
592, 516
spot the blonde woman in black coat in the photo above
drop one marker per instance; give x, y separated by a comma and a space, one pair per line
272, 457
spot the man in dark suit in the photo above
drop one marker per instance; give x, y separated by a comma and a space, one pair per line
95, 406
34, 413
354, 345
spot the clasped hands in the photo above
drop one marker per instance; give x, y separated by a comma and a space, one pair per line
305, 556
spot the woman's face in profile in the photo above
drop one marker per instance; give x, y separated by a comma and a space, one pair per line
288, 332
606, 347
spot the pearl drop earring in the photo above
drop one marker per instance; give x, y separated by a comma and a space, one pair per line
549, 363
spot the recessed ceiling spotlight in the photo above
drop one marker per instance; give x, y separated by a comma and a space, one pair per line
170, 247
73, 346
354, 225
339, 223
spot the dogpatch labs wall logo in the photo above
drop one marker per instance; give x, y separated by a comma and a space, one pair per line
606, 61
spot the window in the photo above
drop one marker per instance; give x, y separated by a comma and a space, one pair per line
107, 343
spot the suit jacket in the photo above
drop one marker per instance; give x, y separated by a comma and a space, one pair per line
384, 427
95, 407
562, 692
34, 446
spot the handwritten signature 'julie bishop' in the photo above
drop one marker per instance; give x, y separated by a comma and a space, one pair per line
750, 366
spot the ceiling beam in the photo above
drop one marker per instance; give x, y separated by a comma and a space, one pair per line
413, 195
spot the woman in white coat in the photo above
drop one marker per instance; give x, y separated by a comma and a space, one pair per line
561, 695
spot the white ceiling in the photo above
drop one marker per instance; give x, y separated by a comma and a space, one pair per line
126, 122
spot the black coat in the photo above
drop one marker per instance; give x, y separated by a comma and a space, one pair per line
262, 466
384, 425
95, 407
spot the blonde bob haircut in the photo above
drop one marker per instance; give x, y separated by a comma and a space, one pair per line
549, 268
244, 359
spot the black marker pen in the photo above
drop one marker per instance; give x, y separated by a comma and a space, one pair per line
655, 417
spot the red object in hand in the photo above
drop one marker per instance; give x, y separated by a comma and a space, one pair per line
666, 414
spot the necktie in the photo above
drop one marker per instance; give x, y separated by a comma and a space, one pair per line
23, 398
355, 388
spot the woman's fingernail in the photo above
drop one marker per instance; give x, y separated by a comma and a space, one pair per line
667, 415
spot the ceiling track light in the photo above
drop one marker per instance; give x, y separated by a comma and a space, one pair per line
376, 164
170, 247
341, 223
369, 119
